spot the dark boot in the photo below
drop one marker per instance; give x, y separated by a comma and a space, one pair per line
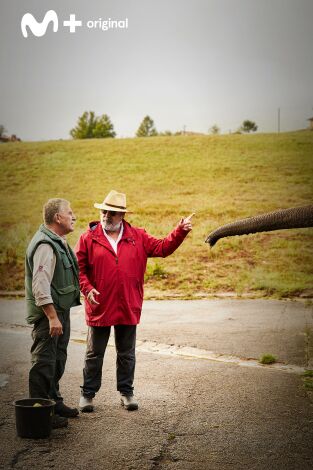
61, 409
58, 422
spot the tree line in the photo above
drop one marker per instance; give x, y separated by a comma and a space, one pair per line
4, 137
90, 126
246, 126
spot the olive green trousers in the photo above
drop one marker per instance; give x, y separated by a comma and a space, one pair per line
48, 357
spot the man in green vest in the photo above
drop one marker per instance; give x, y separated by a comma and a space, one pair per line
52, 288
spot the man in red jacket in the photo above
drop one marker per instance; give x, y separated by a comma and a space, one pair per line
112, 257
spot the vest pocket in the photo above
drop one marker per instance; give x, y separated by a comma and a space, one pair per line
66, 296
66, 290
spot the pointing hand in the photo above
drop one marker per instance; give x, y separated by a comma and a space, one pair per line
186, 224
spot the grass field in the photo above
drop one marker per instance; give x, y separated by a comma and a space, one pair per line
221, 178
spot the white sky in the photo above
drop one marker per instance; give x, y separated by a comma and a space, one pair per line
192, 63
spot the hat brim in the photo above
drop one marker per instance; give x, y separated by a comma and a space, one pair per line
110, 208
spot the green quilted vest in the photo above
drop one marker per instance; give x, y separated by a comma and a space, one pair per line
65, 283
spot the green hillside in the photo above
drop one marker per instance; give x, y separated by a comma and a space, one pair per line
221, 178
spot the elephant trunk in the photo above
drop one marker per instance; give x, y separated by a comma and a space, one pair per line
296, 217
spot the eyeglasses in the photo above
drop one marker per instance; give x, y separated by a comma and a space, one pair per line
112, 213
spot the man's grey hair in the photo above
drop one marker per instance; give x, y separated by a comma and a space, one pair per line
52, 207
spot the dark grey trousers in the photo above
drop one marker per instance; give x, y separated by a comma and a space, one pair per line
48, 358
125, 343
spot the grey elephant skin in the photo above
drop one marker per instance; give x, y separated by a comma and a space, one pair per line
295, 217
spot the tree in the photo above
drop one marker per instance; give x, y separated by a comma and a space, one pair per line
90, 126
214, 129
166, 133
248, 126
103, 128
2, 130
146, 128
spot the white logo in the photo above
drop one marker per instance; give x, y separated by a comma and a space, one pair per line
39, 29
72, 23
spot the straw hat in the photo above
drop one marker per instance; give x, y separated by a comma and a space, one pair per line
114, 201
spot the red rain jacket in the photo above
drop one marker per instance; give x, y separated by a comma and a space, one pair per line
119, 278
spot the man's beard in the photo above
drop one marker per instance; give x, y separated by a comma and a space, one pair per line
111, 227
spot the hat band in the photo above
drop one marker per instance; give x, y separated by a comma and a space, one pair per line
112, 205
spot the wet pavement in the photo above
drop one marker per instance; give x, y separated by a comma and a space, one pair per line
205, 401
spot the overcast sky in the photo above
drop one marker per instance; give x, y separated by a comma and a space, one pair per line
185, 63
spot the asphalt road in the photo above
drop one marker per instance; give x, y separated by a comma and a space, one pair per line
198, 409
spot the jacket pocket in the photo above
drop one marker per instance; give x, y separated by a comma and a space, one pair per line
102, 298
135, 295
